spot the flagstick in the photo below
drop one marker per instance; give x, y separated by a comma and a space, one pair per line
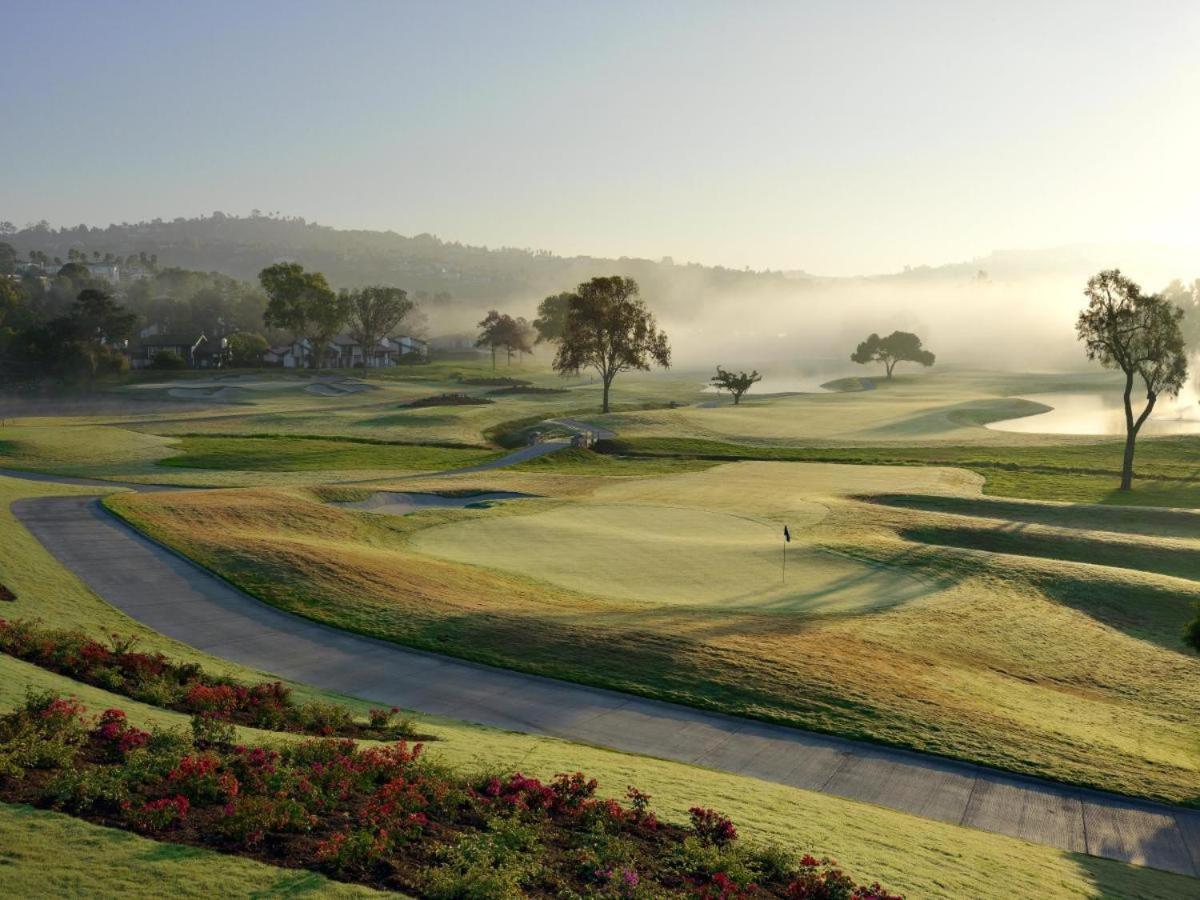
783, 570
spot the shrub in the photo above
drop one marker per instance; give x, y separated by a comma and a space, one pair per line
1191, 632
159, 681
351, 852
114, 733
822, 880
76, 790
248, 819
199, 778
168, 360
497, 863
381, 718
324, 719
155, 816
209, 731
709, 825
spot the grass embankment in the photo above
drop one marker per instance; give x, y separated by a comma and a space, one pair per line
296, 454
1168, 469
49, 852
1068, 670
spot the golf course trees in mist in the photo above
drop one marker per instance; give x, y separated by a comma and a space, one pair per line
501, 331
374, 313
609, 329
552, 317
737, 383
304, 304
897, 347
1140, 334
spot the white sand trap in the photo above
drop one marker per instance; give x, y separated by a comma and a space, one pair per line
323, 389
396, 503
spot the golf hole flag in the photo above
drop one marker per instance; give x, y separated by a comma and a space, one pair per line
787, 535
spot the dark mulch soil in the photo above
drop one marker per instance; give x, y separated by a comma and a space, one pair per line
527, 389
447, 400
496, 381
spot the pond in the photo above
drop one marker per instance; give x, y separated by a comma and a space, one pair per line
1103, 414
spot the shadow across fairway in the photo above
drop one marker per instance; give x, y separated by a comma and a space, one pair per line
1127, 520
1028, 540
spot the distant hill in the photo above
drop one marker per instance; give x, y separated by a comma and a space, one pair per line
476, 276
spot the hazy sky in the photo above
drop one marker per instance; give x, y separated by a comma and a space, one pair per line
841, 137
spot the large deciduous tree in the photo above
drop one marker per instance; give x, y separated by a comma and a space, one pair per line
304, 304
609, 329
737, 383
246, 349
897, 347
1123, 328
375, 312
552, 317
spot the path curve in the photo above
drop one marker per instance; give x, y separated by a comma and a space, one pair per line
169, 593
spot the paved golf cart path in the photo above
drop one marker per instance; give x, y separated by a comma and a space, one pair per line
176, 597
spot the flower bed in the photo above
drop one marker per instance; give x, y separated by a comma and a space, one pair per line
185, 687
386, 816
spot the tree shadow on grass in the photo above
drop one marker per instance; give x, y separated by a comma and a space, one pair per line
1140, 521
1023, 540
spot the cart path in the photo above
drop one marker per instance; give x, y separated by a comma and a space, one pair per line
174, 596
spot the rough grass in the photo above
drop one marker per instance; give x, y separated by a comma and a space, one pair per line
44, 852
1068, 670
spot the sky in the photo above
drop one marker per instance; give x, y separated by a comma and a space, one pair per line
839, 138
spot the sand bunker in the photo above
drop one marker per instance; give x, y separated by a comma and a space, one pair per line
338, 388
209, 393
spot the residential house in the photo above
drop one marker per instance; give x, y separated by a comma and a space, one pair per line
344, 352
192, 347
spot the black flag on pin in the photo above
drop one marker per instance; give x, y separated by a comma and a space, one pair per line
787, 535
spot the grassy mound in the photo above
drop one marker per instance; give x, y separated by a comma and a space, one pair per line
289, 454
1081, 473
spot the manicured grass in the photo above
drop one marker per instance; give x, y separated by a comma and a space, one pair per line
919, 857
1066, 669
711, 558
943, 405
1168, 468
294, 454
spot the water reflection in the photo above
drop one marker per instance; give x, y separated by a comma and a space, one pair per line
1080, 413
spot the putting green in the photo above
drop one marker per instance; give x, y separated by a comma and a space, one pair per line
672, 555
